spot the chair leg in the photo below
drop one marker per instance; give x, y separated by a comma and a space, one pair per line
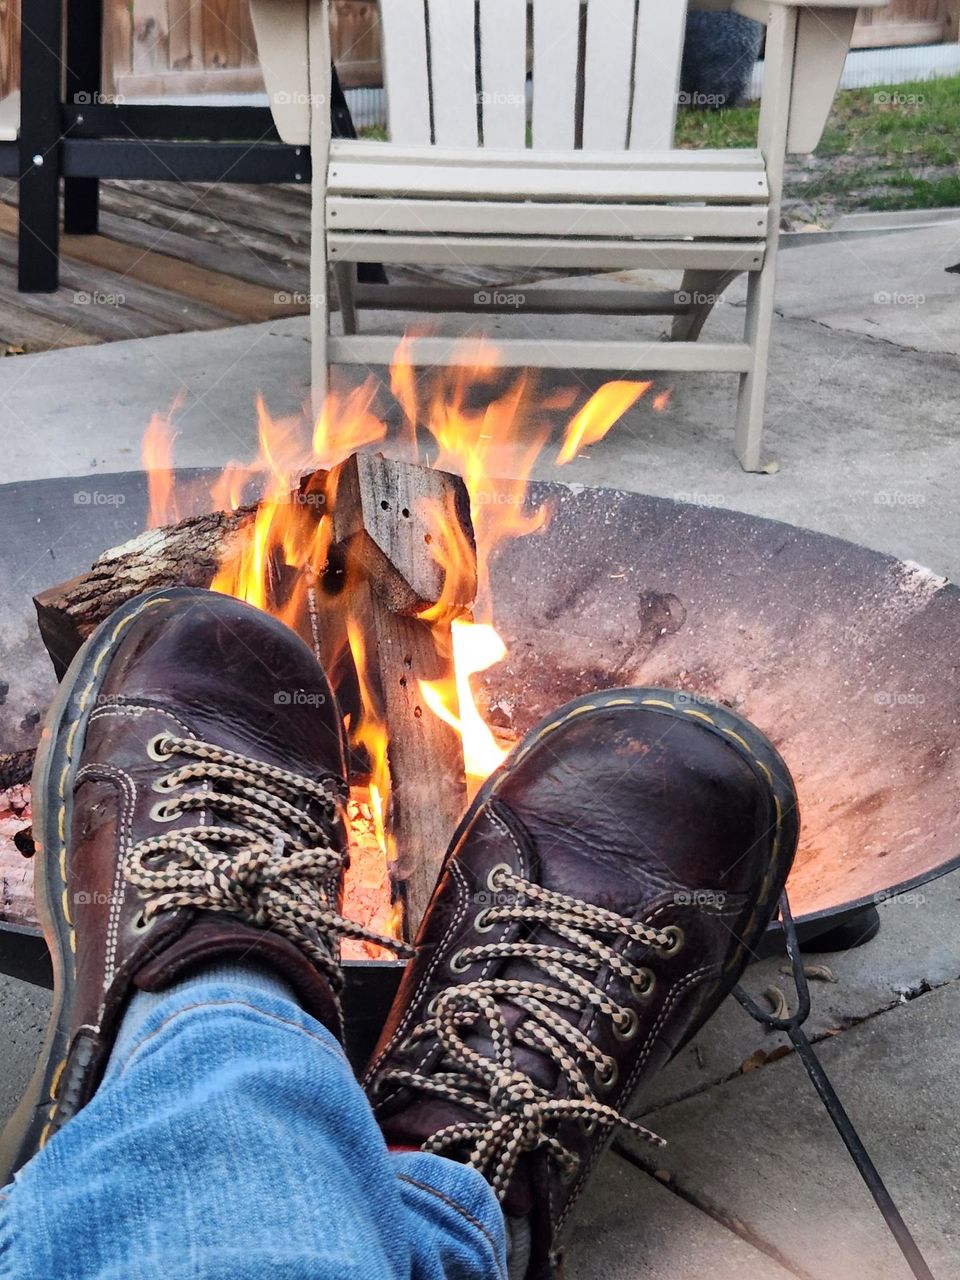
701, 291
39, 215
753, 384
319, 311
81, 196
345, 274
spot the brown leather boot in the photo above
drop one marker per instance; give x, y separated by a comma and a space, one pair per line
600, 898
188, 796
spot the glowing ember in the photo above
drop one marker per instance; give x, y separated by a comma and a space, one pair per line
473, 431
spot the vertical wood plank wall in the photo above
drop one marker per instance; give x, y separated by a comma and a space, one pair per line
185, 46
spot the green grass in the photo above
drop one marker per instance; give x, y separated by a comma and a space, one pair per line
889, 147
884, 148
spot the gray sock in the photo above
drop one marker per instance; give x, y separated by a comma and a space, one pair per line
518, 1247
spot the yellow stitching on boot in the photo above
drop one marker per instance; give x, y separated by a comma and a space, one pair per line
657, 702
701, 715
44, 1134
65, 903
743, 743
62, 783
56, 1077
622, 702
577, 711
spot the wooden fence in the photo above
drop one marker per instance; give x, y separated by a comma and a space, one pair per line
201, 46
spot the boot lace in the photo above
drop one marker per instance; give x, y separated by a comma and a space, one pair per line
274, 866
513, 1113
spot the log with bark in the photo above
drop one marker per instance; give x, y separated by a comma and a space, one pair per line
185, 554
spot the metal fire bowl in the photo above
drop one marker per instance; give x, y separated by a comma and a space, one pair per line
846, 658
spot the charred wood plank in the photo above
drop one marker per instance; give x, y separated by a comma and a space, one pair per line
381, 521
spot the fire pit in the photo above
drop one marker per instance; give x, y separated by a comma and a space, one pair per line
454, 611
836, 651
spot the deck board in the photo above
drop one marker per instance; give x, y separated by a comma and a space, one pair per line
177, 257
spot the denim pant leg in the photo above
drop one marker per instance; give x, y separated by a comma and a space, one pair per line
230, 1141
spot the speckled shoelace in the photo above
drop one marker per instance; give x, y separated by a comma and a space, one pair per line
513, 1113
274, 866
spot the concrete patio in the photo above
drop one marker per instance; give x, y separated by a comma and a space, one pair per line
862, 413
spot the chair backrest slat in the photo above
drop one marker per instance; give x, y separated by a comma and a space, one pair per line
656, 73
608, 71
453, 72
503, 73
405, 70
556, 53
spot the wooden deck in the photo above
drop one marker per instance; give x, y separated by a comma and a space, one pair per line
174, 258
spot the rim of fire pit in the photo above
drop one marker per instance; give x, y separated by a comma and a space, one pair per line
645, 589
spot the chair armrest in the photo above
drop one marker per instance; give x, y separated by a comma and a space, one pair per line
824, 29
759, 9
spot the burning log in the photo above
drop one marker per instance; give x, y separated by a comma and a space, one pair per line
15, 768
381, 520
185, 554
16, 871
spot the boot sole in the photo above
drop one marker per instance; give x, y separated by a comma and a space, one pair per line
752, 745
61, 745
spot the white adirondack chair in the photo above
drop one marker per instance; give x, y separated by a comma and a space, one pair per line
597, 184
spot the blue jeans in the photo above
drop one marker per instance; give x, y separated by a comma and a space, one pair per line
229, 1140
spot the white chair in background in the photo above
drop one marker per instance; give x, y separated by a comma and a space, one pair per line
593, 181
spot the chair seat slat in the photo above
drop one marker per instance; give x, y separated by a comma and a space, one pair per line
486, 181
353, 151
531, 251
383, 213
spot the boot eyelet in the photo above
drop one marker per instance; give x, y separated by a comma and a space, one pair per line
643, 982
677, 939
164, 785
491, 881
141, 923
630, 1030
160, 813
568, 1174
457, 964
487, 924
432, 1005
589, 1127
154, 747
607, 1074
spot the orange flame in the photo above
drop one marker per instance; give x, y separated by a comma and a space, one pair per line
599, 414
476, 646
478, 430
156, 450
